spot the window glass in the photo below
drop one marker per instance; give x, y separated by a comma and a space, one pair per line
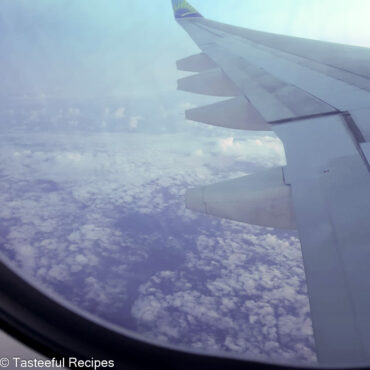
95, 159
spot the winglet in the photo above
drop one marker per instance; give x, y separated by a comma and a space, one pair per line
183, 9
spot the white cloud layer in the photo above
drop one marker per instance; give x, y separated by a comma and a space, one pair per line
81, 215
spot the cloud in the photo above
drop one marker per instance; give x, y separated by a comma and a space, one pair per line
186, 106
253, 295
254, 149
134, 121
227, 144
198, 153
211, 284
74, 111
119, 113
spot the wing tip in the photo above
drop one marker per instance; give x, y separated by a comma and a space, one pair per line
182, 9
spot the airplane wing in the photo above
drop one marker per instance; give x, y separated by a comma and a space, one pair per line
316, 97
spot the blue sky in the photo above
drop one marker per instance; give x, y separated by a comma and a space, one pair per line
87, 48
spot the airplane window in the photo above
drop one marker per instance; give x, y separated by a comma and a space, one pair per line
95, 160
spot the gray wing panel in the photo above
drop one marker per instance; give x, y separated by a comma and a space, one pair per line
353, 59
279, 84
274, 98
331, 195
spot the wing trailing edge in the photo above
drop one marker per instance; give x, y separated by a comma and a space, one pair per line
196, 63
214, 83
236, 113
259, 199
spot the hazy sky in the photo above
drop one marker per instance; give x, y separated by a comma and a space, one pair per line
100, 48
